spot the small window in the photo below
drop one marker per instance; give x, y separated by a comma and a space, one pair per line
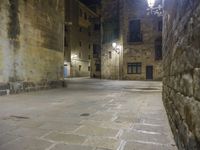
80, 13
79, 68
98, 67
110, 55
85, 16
97, 27
89, 68
80, 43
160, 24
65, 41
158, 49
134, 68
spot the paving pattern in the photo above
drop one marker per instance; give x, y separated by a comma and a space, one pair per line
87, 115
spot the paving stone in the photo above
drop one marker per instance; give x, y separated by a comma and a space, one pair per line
154, 137
26, 144
146, 146
5, 138
64, 124
28, 132
66, 138
71, 147
58, 126
90, 130
106, 143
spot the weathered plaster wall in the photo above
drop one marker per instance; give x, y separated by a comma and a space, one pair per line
181, 82
31, 41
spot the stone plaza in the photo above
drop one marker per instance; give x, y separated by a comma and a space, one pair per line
89, 114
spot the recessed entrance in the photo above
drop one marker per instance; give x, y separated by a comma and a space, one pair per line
149, 72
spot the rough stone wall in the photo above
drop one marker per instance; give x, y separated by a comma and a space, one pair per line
31, 42
181, 82
144, 51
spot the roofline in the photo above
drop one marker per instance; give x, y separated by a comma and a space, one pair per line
83, 5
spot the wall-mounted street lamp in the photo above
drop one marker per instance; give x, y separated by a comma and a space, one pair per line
154, 10
116, 47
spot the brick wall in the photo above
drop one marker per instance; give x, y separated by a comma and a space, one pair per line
31, 42
181, 82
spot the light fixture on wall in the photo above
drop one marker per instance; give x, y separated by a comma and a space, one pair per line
154, 10
116, 47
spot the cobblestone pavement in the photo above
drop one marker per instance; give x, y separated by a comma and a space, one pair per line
87, 115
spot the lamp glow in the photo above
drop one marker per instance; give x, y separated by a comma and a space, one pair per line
114, 45
151, 3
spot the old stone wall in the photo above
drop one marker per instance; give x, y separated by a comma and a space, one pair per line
111, 61
116, 17
31, 43
144, 51
181, 82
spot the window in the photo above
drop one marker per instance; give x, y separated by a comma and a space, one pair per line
85, 16
66, 29
65, 41
134, 68
98, 67
89, 68
135, 31
110, 55
80, 43
158, 49
88, 56
79, 68
97, 27
96, 50
80, 13
160, 24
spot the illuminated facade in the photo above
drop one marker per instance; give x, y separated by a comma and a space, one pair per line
138, 37
82, 40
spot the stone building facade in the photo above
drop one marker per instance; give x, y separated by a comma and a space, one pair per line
82, 40
31, 43
138, 36
181, 81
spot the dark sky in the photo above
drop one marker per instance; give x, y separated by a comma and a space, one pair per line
90, 2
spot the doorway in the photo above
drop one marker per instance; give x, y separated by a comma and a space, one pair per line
149, 72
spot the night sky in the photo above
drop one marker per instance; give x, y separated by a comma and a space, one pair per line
90, 2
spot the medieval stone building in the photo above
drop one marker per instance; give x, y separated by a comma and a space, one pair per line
132, 41
31, 44
181, 81
82, 40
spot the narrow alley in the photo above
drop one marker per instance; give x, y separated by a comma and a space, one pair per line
89, 114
